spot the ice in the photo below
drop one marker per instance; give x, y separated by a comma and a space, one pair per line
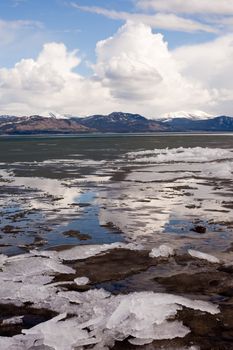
219, 170
31, 267
204, 256
82, 281
195, 154
59, 334
86, 251
3, 259
166, 172
13, 320
101, 319
98, 318
164, 251
137, 341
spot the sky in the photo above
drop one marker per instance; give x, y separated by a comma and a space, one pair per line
141, 56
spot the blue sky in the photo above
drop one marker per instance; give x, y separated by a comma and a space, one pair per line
61, 22
182, 48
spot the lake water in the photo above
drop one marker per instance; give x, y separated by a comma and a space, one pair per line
104, 186
146, 218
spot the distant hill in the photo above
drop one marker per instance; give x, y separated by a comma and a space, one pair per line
221, 123
121, 122
40, 125
116, 122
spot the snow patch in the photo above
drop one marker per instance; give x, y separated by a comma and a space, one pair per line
193, 115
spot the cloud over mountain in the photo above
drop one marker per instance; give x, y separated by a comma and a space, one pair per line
134, 71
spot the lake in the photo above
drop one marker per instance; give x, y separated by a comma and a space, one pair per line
160, 205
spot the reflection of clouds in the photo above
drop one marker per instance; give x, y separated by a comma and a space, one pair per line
153, 195
52, 197
145, 204
50, 187
126, 208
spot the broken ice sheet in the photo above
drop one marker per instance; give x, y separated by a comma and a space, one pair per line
98, 317
181, 154
140, 316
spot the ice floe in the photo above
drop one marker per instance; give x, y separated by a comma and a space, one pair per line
181, 154
203, 256
85, 251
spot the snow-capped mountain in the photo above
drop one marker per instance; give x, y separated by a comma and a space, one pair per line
120, 122
117, 122
55, 115
193, 115
5, 118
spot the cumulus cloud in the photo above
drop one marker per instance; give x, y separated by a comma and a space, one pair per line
48, 82
136, 65
212, 64
134, 71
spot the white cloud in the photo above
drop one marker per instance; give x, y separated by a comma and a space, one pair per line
48, 82
134, 71
137, 66
223, 7
10, 31
212, 64
158, 20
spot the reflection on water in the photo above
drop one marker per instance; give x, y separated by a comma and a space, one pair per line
36, 212
171, 193
148, 188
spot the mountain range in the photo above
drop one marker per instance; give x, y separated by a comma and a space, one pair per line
116, 122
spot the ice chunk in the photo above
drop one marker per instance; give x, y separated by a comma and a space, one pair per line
3, 259
98, 318
164, 251
82, 281
58, 334
204, 256
137, 341
13, 320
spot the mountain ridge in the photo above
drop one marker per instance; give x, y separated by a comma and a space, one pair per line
115, 122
